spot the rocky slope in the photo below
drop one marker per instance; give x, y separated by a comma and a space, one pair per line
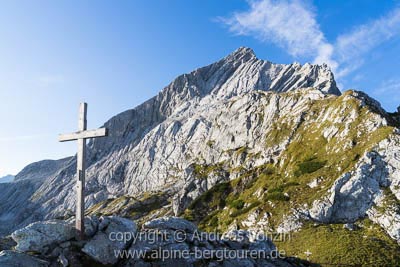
16, 207
241, 143
53, 243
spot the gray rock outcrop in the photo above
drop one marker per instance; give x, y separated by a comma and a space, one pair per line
41, 236
364, 191
186, 245
106, 241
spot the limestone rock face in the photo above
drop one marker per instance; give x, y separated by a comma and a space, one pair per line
7, 179
388, 220
366, 190
42, 169
40, 236
353, 193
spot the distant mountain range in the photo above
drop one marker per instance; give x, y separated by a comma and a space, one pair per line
7, 179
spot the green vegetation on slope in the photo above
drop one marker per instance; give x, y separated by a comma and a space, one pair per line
141, 208
368, 245
202, 171
308, 155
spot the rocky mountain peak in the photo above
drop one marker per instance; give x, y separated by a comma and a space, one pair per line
237, 73
242, 53
241, 72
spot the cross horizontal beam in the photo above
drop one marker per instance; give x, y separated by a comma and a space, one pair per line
83, 135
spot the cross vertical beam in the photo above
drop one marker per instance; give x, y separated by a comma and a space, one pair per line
80, 173
81, 135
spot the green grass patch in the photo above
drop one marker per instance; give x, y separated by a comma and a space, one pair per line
237, 204
276, 196
309, 167
236, 213
212, 200
332, 245
203, 171
241, 150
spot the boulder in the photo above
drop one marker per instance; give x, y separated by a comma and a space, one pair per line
148, 241
253, 240
91, 225
172, 223
40, 236
108, 240
10, 258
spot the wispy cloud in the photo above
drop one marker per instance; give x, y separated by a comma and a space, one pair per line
292, 25
351, 47
275, 22
389, 87
367, 36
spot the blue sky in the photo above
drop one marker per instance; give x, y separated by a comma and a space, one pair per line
116, 54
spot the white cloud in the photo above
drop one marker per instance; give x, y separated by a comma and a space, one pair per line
292, 25
388, 93
351, 47
389, 87
348, 67
367, 36
288, 24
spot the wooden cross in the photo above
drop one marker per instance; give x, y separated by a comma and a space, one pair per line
81, 135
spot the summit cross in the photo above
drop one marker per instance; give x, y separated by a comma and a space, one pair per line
81, 135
